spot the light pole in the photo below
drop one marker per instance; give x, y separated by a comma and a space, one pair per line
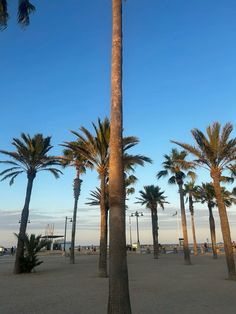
64, 249
137, 215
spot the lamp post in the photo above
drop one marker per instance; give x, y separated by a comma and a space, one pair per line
137, 215
64, 249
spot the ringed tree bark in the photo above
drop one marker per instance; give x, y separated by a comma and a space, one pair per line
191, 208
155, 232
119, 300
212, 231
77, 186
216, 175
184, 222
102, 266
23, 223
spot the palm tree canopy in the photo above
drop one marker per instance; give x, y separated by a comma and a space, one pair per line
30, 156
3, 14
152, 196
174, 165
215, 150
191, 193
190, 187
206, 194
228, 197
72, 157
95, 148
25, 8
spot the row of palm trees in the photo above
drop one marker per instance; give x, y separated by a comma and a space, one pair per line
89, 150
152, 197
92, 151
216, 153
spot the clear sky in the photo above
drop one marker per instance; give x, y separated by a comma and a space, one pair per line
179, 73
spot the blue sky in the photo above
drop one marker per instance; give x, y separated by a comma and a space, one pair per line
179, 73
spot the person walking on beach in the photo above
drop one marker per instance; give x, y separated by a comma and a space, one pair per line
205, 247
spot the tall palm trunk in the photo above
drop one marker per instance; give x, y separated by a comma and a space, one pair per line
224, 226
194, 235
23, 225
155, 232
77, 185
212, 231
102, 265
193, 223
184, 225
118, 301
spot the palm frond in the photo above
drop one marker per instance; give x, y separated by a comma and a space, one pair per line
152, 196
9, 170
3, 14
172, 180
9, 162
56, 172
162, 173
25, 8
12, 175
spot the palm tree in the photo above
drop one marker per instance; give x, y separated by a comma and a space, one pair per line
190, 189
216, 152
152, 196
174, 165
72, 158
30, 157
25, 8
32, 245
118, 300
206, 194
96, 150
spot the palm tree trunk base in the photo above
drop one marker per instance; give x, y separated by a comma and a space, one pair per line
232, 277
102, 274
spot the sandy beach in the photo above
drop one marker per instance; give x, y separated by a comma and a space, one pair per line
164, 286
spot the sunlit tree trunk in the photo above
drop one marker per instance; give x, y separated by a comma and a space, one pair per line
224, 226
194, 235
77, 185
119, 300
212, 231
193, 224
155, 232
102, 265
184, 225
23, 225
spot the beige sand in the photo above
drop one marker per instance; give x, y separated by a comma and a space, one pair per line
163, 286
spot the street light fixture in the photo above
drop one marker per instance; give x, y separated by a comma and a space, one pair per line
70, 219
137, 215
